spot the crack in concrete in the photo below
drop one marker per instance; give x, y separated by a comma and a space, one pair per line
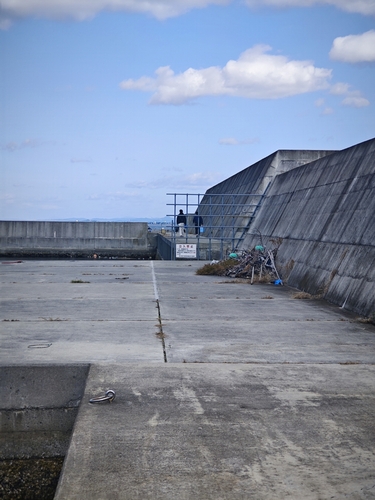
161, 333
156, 293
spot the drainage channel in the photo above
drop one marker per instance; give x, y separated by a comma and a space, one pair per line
156, 293
38, 408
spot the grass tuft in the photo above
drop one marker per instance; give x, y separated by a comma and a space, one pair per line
370, 320
217, 269
302, 296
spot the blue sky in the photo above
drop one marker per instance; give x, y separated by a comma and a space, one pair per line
106, 106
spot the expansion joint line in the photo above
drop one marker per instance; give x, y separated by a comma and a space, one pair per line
161, 333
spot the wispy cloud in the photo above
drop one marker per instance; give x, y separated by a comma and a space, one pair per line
7, 198
49, 207
365, 7
319, 103
113, 196
80, 10
229, 141
356, 101
172, 169
354, 48
192, 180
254, 75
353, 98
80, 160
16, 146
340, 88
327, 111
232, 141
5, 23
198, 179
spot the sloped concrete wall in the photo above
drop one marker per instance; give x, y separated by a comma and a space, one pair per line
129, 239
324, 212
227, 206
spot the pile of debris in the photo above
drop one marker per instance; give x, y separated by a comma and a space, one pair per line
258, 262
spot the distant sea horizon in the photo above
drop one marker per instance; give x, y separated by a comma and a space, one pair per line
81, 219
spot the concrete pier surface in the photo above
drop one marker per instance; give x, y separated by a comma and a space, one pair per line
223, 390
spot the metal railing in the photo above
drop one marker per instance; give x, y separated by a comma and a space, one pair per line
226, 220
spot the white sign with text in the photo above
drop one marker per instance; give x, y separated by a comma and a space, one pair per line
186, 251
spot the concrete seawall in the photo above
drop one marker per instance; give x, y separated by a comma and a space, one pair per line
323, 212
76, 239
230, 206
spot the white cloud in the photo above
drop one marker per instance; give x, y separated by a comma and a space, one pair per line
80, 10
255, 75
354, 48
355, 101
365, 7
353, 98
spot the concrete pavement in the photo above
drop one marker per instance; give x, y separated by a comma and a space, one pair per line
224, 431
109, 315
262, 396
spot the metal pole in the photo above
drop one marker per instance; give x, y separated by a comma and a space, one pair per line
199, 229
210, 233
187, 218
173, 240
233, 223
222, 228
